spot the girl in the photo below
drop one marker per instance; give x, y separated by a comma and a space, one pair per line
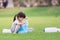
20, 24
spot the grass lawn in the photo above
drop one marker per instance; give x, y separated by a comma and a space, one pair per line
39, 18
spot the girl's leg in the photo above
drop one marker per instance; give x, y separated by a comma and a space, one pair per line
23, 29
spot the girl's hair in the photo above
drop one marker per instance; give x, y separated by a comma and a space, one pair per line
14, 18
20, 14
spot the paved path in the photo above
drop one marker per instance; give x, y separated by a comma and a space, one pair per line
10, 4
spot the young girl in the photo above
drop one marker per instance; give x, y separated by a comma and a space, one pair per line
20, 24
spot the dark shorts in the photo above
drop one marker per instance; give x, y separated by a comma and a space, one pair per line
5, 4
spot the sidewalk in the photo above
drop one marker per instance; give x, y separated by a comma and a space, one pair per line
10, 4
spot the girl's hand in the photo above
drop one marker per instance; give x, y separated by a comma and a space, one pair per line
23, 22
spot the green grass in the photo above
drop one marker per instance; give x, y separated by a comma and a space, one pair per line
39, 18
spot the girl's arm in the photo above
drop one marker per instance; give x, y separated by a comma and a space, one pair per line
17, 27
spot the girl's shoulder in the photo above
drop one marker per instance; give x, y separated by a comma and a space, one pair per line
16, 21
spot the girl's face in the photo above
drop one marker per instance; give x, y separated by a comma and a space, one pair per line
20, 18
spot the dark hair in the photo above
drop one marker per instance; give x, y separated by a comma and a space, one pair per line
20, 14
14, 18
